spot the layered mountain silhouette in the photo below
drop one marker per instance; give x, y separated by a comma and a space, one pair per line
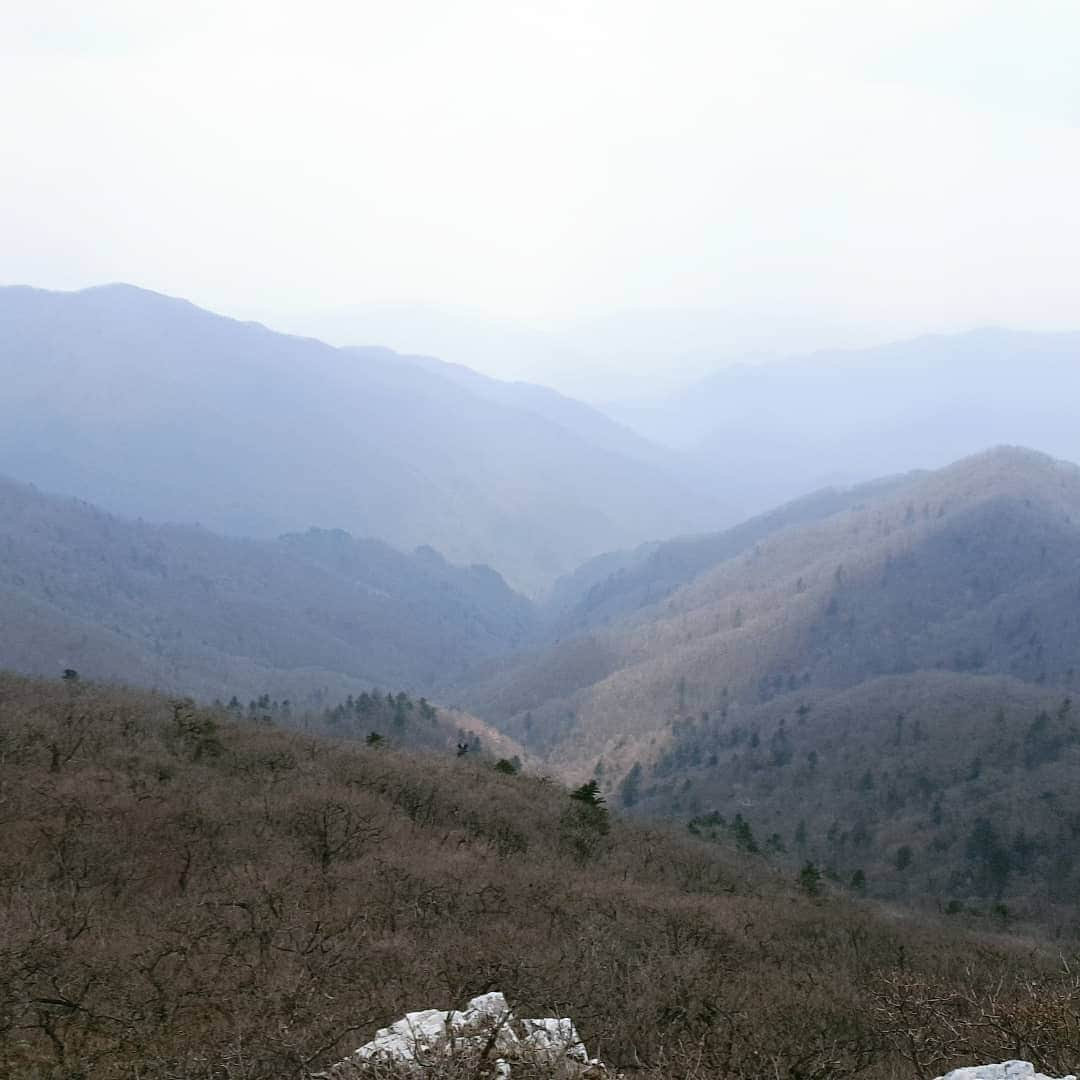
620, 582
151, 407
779, 428
879, 678
967, 569
876, 677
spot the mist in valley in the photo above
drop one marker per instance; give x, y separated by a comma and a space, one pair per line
577, 501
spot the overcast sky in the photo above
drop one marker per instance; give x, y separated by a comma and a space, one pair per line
902, 165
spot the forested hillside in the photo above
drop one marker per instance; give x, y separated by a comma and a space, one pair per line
376, 718
616, 584
940, 584
149, 406
950, 791
876, 680
311, 617
186, 895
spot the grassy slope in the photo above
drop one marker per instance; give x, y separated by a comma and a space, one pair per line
181, 896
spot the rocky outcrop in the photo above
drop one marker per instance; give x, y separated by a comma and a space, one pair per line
492, 1042
1007, 1070
486, 1032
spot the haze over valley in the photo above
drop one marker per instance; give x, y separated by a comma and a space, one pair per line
864, 693
600, 605
539, 541
254, 433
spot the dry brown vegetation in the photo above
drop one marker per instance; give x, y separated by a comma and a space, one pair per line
954, 791
185, 896
378, 718
974, 568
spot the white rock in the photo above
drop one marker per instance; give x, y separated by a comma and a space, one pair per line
554, 1038
491, 1006
472, 1027
426, 1028
1007, 1070
388, 1047
413, 1040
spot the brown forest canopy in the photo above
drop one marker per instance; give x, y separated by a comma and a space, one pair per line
182, 895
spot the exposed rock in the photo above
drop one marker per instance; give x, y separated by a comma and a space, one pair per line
554, 1038
1007, 1070
486, 1028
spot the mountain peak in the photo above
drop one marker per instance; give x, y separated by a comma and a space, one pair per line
1013, 470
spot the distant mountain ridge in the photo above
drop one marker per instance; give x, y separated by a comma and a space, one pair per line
567, 412
777, 429
149, 406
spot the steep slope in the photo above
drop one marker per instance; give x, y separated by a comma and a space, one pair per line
184, 896
186, 610
973, 568
592, 425
885, 690
616, 584
152, 407
941, 788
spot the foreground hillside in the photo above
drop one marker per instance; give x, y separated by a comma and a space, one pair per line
311, 617
149, 406
184, 896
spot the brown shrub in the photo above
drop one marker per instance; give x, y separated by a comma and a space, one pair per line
258, 909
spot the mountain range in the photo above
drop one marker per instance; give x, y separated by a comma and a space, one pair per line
151, 407
855, 675
776, 429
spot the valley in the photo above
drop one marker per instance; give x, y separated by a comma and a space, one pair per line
539, 541
836, 740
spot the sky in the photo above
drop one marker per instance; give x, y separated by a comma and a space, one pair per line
724, 176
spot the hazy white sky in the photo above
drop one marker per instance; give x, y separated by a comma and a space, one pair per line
859, 162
